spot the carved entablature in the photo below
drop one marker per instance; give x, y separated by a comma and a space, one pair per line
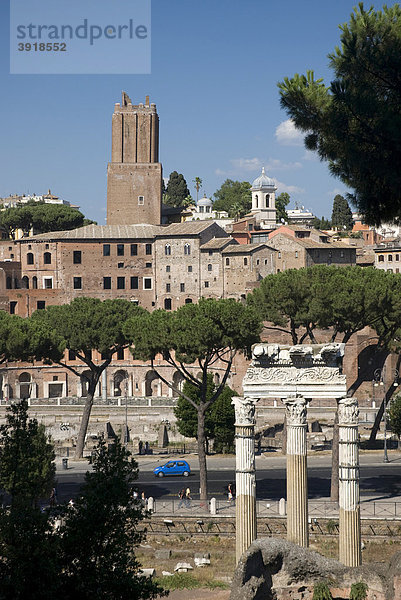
348, 411
313, 370
244, 411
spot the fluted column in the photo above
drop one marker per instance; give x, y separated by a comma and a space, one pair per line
350, 518
297, 479
245, 478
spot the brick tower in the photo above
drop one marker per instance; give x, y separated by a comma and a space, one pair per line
134, 175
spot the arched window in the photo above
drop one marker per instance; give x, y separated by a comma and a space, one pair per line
256, 201
188, 300
25, 282
29, 258
267, 200
34, 282
24, 385
209, 267
167, 304
381, 258
187, 249
227, 262
167, 250
47, 258
9, 283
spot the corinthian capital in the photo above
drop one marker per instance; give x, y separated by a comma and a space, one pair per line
296, 409
244, 410
348, 411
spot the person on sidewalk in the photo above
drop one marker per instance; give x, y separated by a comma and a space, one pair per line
188, 498
181, 495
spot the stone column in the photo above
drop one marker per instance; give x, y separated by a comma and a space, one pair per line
245, 478
297, 480
350, 518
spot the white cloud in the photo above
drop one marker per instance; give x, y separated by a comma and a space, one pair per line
274, 164
290, 189
221, 172
287, 135
247, 164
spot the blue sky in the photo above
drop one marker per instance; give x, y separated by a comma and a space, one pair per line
214, 74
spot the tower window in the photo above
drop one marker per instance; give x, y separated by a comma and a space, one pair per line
134, 249
34, 282
47, 258
141, 200
77, 283
227, 262
120, 249
168, 288
147, 283
267, 200
210, 267
148, 249
182, 287
245, 262
168, 269
77, 257
189, 268
187, 249
256, 201
29, 258
106, 249
206, 284
167, 250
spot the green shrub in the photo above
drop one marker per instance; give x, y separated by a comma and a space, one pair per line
358, 591
321, 591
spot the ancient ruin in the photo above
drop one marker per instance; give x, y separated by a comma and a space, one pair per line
296, 375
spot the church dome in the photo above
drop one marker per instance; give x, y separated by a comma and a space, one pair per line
263, 181
205, 202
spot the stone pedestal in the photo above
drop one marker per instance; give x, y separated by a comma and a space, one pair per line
350, 519
245, 476
297, 482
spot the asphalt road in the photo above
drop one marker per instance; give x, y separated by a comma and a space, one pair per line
378, 480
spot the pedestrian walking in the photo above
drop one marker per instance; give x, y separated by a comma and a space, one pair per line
146, 447
143, 499
181, 495
140, 446
188, 498
53, 497
231, 493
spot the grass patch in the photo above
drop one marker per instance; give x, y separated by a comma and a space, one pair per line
187, 581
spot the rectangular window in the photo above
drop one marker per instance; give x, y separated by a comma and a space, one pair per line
120, 265
48, 283
141, 200
13, 306
77, 257
148, 249
71, 355
134, 283
206, 284
106, 249
120, 249
40, 304
182, 287
77, 283
148, 265
168, 269
147, 283
390, 257
121, 283
168, 288
189, 268
134, 249
107, 283
120, 354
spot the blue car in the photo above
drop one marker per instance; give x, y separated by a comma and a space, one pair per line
173, 467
